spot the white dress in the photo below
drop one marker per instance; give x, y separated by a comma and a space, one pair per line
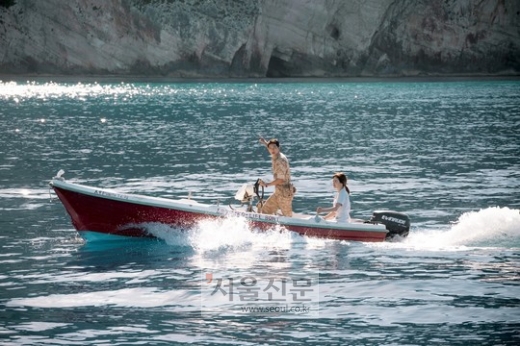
343, 213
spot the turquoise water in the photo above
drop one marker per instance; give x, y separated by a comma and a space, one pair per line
445, 153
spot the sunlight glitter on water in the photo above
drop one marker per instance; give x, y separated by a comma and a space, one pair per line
48, 90
20, 91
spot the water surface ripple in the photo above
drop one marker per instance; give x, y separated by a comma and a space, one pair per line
446, 153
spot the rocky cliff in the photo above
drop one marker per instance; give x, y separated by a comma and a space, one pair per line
261, 38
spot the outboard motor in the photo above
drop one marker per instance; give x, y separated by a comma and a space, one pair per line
396, 223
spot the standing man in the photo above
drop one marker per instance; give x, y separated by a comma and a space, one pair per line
283, 189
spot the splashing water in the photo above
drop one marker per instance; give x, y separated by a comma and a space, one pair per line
490, 227
221, 234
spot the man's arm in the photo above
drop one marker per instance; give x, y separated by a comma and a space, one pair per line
281, 168
272, 183
262, 140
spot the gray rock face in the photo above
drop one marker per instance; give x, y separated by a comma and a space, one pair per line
261, 38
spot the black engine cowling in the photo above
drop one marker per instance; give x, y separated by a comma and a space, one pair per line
396, 223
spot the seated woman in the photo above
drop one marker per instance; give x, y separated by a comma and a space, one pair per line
340, 209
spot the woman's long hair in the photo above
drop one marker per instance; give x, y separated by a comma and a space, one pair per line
342, 179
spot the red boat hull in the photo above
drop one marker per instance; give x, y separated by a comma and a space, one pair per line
98, 210
90, 213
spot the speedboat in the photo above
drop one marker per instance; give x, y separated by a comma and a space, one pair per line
106, 211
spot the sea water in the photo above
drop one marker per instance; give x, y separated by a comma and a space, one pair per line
444, 152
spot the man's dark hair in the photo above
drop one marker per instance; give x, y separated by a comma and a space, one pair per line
274, 141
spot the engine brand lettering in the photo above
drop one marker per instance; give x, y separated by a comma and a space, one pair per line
393, 219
